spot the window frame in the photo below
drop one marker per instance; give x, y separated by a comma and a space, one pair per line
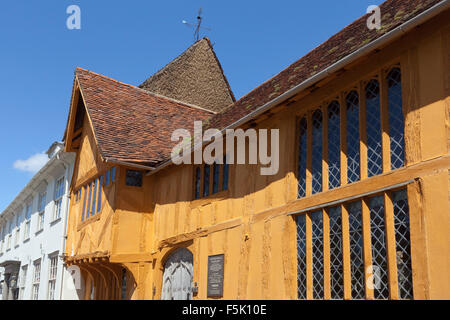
58, 199
340, 95
41, 211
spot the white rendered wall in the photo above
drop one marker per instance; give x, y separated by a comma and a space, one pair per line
47, 242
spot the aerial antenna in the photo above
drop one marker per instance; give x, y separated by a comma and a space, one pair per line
197, 26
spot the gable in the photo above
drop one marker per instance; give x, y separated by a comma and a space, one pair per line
195, 77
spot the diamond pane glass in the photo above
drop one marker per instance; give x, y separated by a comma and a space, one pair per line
379, 259
396, 119
373, 127
317, 152
403, 244
216, 172
206, 173
317, 254
353, 138
336, 266
356, 250
197, 182
301, 174
225, 173
334, 146
301, 256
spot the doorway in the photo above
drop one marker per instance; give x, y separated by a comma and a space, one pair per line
178, 275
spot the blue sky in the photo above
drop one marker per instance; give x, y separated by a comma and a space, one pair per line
129, 41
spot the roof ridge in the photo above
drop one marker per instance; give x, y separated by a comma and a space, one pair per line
185, 104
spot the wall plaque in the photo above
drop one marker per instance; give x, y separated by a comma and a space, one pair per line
215, 275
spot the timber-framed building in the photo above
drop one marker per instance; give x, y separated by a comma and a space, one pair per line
362, 188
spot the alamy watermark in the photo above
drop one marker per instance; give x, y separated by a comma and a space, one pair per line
374, 20
73, 22
235, 147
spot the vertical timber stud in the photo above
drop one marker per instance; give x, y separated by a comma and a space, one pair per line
368, 277
362, 131
418, 234
326, 255
346, 253
390, 246
343, 138
384, 114
324, 147
309, 154
309, 262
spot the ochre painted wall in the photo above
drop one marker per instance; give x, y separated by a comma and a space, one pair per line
250, 224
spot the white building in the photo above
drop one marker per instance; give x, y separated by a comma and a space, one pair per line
32, 234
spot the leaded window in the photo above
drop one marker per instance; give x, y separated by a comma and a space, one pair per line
353, 138
226, 169
198, 182
396, 119
216, 172
100, 190
83, 215
206, 174
302, 158
301, 256
94, 196
402, 244
376, 268
378, 242
373, 127
317, 152
334, 145
336, 264
317, 254
356, 250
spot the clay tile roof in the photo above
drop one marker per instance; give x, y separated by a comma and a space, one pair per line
347, 41
131, 124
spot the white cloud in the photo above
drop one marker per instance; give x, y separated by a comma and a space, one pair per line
33, 164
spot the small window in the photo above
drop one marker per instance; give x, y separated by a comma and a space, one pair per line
100, 186
216, 172
78, 195
108, 177
113, 174
225, 174
207, 171
133, 178
198, 182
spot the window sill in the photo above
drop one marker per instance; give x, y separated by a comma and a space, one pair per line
55, 221
26, 240
39, 232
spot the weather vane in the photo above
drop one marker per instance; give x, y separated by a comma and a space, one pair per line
197, 26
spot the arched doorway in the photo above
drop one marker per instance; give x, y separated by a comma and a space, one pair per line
177, 277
